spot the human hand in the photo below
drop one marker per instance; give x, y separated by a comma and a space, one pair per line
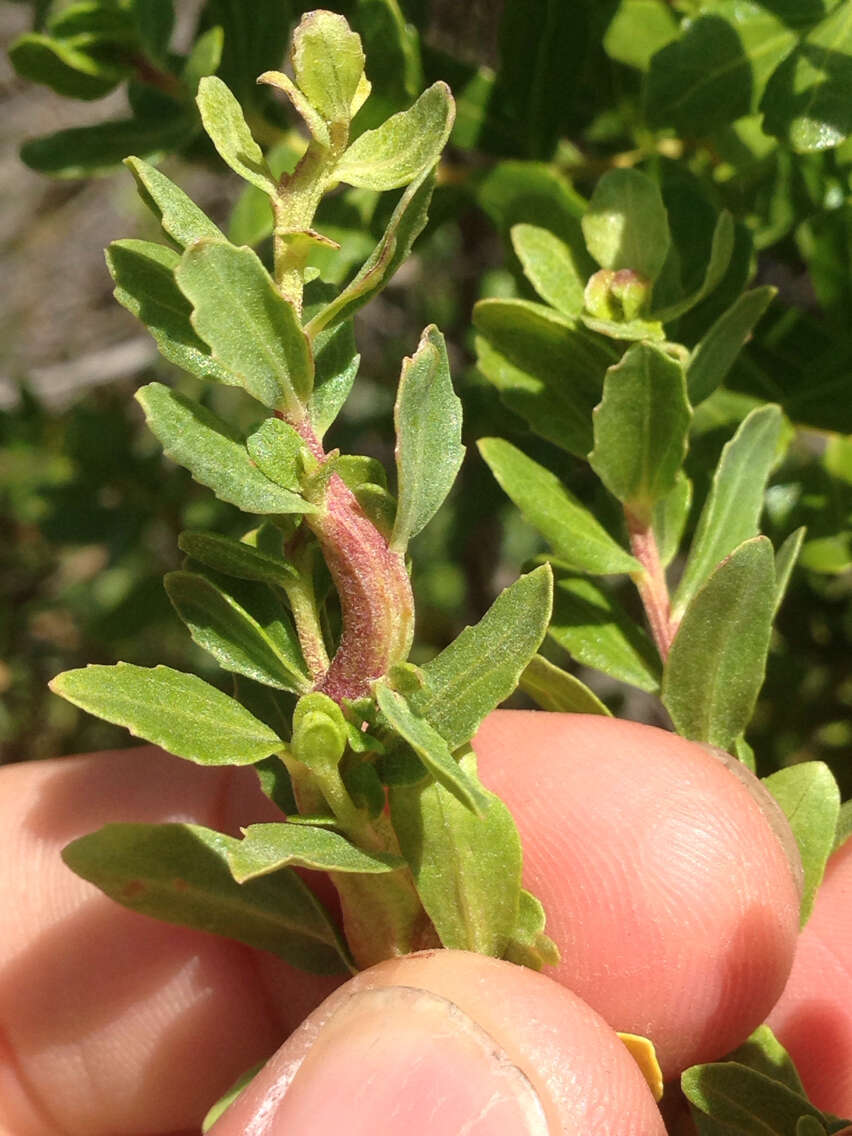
115, 1024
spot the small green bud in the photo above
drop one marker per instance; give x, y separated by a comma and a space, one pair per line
620, 295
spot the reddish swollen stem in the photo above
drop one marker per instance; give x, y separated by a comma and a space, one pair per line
651, 582
372, 583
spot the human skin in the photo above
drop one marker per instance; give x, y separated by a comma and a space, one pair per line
670, 897
813, 1019
112, 1024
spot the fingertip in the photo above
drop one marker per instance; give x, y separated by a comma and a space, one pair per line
447, 1041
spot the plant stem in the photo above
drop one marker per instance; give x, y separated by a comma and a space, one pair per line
651, 582
303, 605
376, 601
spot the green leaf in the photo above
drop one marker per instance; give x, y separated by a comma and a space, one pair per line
65, 68
154, 21
669, 520
641, 428
213, 452
223, 120
328, 63
268, 848
250, 329
236, 558
809, 1126
844, 825
276, 449
762, 1051
551, 688
406, 224
179, 216
545, 368
808, 101
275, 781
432, 749
716, 664
571, 530
551, 267
626, 224
404, 147
86, 150
179, 873
714, 355
467, 868
596, 631
320, 732
336, 364
747, 1100
481, 668
177, 711
810, 798
732, 510
203, 59
721, 251
529, 946
145, 284
269, 654
717, 70
638, 30
227, 1099
429, 453
785, 561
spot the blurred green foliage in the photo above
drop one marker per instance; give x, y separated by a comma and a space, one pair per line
550, 96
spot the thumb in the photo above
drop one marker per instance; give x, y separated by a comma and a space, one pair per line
447, 1041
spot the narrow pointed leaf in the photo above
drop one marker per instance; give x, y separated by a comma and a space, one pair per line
785, 562
670, 516
717, 661
336, 364
179, 873
236, 558
268, 848
405, 146
430, 747
203, 59
750, 1102
178, 214
551, 267
481, 668
714, 355
65, 68
641, 428
546, 369
429, 453
721, 251
145, 284
596, 631
844, 826
248, 326
626, 225
225, 123
237, 641
467, 868
213, 453
810, 798
551, 688
732, 510
85, 150
404, 227
573, 533
177, 711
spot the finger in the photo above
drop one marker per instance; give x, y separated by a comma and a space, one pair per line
813, 1019
448, 1042
668, 893
113, 1023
